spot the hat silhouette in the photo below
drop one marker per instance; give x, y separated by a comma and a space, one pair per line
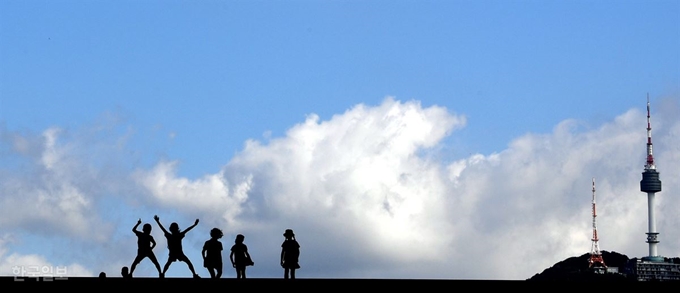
289, 232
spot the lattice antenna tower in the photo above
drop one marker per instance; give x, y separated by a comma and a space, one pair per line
595, 254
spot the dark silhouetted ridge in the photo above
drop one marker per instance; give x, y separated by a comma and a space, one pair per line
577, 268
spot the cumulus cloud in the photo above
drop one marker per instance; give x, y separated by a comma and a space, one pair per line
355, 178
529, 204
211, 194
366, 199
56, 187
48, 192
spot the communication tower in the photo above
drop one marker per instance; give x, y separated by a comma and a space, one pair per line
651, 184
595, 255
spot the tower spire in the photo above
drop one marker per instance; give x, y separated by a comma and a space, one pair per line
650, 155
595, 255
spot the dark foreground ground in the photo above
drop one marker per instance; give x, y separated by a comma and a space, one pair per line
254, 283
335, 284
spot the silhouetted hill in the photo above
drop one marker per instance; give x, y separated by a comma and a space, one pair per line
576, 269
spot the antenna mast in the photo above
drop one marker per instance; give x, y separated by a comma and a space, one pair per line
595, 255
650, 156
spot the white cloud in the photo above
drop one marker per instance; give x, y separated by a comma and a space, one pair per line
356, 176
48, 194
210, 194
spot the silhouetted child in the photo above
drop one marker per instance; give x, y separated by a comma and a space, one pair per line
145, 245
174, 238
240, 258
125, 273
290, 254
212, 254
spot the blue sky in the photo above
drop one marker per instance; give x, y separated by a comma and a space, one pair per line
241, 113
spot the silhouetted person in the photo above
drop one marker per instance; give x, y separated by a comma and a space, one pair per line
174, 238
125, 273
240, 258
290, 254
102, 275
145, 245
212, 254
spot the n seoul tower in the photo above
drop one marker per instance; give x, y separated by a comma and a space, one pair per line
651, 184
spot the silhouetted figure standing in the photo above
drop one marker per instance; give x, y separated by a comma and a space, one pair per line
145, 245
240, 258
174, 238
125, 273
290, 254
212, 254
